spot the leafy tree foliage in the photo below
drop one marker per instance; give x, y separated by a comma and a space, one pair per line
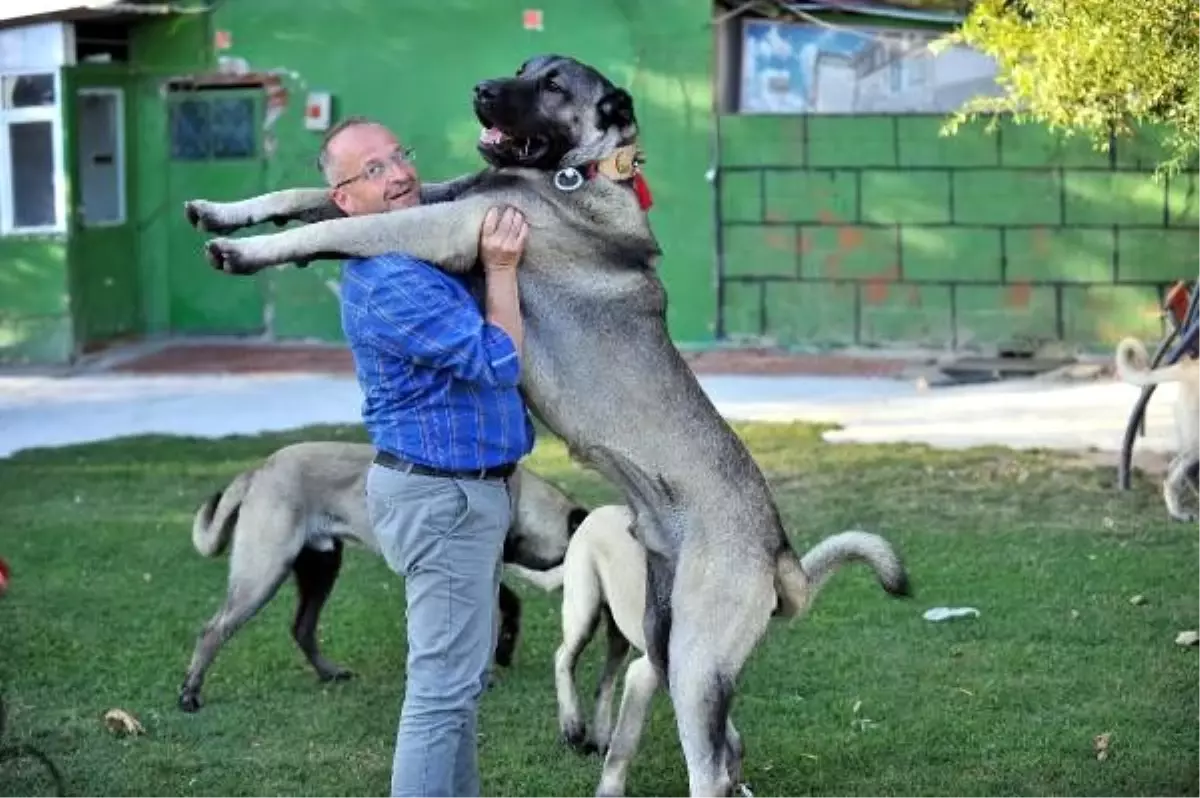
1092, 67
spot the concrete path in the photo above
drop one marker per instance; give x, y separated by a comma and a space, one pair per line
38, 410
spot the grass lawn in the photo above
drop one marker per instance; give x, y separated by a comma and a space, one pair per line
863, 697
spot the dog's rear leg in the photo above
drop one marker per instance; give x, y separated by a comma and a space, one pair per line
618, 647
641, 680
510, 626
1175, 487
719, 618
245, 598
315, 571
580, 614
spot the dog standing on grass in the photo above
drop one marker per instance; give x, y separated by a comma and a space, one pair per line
603, 576
290, 515
1133, 366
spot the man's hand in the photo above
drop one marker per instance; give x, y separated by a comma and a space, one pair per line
502, 238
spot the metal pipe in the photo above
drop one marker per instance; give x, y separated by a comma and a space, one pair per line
1189, 340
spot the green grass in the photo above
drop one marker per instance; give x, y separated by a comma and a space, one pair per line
107, 596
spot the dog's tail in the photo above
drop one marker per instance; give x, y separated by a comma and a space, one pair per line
1133, 365
549, 580
799, 579
213, 525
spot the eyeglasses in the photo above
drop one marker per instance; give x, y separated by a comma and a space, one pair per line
375, 169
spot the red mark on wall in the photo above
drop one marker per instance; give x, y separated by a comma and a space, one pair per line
1041, 241
1019, 295
222, 40
875, 290
805, 243
826, 216
850, 237
531, 18
778, 240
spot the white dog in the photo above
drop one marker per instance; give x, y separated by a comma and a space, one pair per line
604, 574
1133, 366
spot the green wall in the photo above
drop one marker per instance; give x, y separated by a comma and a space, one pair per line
875, 231
413, 64
35, 318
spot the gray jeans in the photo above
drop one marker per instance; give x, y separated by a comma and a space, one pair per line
445, 537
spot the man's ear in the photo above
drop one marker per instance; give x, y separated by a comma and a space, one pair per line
340, 199
615, 109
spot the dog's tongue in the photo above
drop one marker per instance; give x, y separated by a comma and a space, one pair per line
491, 135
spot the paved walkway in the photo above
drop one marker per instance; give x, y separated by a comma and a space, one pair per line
40, 410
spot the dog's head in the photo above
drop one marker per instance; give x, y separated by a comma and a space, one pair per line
555, 112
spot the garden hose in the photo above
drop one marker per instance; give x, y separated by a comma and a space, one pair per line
9, 753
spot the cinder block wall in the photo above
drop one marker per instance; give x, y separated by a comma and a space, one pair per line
876, 231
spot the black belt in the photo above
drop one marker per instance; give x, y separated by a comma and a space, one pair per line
389, 460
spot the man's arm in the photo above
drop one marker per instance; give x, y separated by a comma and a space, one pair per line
414, 317
501, 244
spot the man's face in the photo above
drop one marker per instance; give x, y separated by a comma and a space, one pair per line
370, 171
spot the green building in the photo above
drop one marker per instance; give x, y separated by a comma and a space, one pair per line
802, 194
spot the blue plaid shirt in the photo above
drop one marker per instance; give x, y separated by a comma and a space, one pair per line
439, 382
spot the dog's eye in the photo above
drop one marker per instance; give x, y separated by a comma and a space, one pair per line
554, 86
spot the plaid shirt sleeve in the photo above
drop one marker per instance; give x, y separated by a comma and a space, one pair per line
421, 320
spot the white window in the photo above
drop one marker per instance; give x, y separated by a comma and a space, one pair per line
32, 187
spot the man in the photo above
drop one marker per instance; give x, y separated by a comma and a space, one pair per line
441, 406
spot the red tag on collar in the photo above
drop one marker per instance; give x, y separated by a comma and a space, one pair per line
643, 191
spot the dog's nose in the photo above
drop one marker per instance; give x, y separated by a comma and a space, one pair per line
485, 90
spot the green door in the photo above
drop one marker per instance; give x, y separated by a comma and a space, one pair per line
214, 151
105, 289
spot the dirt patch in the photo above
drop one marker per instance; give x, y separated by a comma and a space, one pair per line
1151, 463
262, 358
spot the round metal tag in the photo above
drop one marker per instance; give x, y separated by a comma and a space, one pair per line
568, 179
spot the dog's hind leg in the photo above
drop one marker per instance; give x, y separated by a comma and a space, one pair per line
1176, 487
315, 571
707, 658
247, 595
580, 615
618, 647
735, 752
641, 680
510, 625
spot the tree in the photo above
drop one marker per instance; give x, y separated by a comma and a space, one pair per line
1097, 68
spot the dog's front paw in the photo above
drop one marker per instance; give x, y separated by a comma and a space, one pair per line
207, 217
189, 700
224, 255
337, 675
574, 733
1184, 516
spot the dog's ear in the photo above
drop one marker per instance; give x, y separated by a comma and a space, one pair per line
615, 109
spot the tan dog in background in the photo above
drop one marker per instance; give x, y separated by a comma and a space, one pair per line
604, 576
1133, 366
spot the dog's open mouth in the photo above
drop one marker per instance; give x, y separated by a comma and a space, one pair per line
515, 148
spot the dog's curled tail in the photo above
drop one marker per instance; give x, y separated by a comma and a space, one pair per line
799, 579
1132, 364
213, 524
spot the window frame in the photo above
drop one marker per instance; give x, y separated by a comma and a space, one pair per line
46, 113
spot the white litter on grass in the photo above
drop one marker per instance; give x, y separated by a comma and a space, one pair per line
949, 613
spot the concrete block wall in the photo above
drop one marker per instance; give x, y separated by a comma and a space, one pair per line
875, 230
